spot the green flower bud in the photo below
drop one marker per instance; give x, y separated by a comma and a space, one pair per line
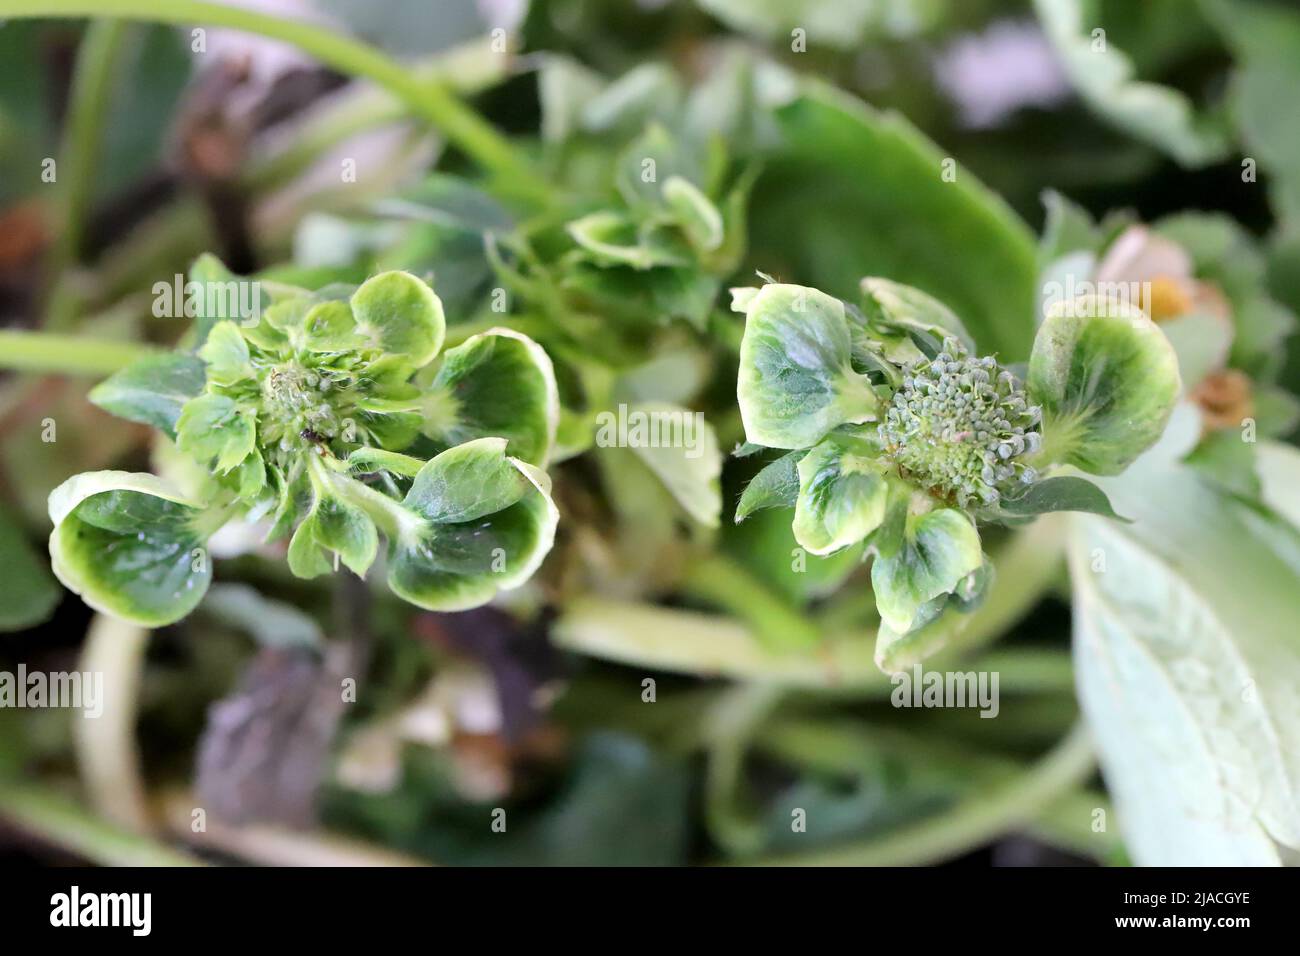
960, 426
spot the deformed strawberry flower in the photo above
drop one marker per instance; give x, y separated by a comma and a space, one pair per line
903, 438
335, 415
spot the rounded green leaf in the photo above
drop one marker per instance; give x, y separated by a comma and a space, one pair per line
466, 482
796, 382
459, 564
498, 383
940, 548
400, 314
841, 499
129, 545
1106, 378
330, 327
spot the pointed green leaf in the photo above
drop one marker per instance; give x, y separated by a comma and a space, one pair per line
776, 486
152, 390
1062, 493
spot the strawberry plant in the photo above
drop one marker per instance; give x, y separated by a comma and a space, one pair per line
656, 428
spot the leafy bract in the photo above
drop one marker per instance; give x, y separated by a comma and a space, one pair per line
401, 315
894, 305
841, 499
775, 486
499, 383
1106, 378
130, 545
940, 548
215, 428
481, 522
796, 379
1060, 493
152, 390
332, 525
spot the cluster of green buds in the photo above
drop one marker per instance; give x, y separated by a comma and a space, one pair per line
901, 440
961, 426
334, 417
659, 244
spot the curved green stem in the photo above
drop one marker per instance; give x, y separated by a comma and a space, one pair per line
730, 727
973, 821
719, 581
83, 136
430, 101
57, 820
108, 757
23, 351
